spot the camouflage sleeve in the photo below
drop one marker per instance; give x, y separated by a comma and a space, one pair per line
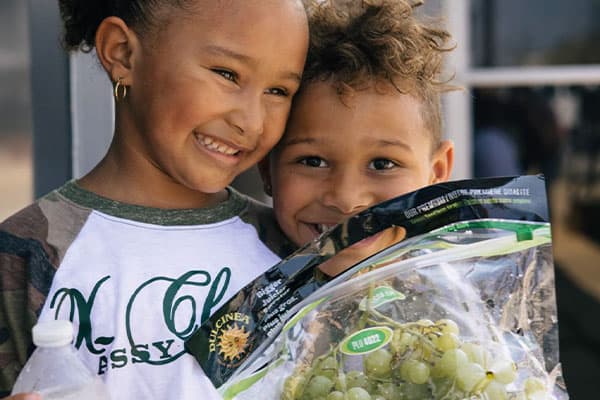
269, 232
26, 272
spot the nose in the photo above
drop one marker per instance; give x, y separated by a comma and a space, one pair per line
347, 194
248, 113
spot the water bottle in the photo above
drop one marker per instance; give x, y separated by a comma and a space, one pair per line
54, 369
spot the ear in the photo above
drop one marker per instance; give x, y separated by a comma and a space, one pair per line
442, 162
116, 47
264, 167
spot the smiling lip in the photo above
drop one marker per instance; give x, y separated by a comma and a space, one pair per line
219, 148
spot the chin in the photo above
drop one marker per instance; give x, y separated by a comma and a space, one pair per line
211, 188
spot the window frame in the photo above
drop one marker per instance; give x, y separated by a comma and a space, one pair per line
457, 106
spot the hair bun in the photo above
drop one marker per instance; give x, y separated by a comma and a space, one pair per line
81, 19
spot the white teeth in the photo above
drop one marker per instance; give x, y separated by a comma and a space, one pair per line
323, 227
214, 145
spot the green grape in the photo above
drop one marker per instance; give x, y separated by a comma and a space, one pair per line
372, 385
401, 341
335, 395
505, 370
476, 354
414, 371
425, 322
495, 391
447, 341
533, 385
293, 386
470, 376
340, 381
538, 396
387, 390
402, 372
327, 367
443, 388
411, 391
358, 393
356, 379
448, 326
452, 361
436, 371
378, 364
318, 386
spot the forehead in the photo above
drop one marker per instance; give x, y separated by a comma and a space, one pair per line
268, 36
320, 112
220, 13
246, 21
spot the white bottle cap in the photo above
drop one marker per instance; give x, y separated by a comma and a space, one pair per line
52, 333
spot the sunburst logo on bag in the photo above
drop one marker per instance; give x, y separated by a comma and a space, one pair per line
230, 339
233, 342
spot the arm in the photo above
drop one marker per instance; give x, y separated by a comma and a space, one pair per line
25, 276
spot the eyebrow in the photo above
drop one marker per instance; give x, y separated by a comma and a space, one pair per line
380, 142
223, 51
300, 140
397, 143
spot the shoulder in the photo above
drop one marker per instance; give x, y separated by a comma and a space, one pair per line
262, 217
51, 214
38, 236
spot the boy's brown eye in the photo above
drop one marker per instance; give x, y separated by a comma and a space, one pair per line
382, 163
313, 162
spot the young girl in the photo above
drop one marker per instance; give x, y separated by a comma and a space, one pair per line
366, 124
139, 251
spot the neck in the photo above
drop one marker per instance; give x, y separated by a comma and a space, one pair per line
126, 176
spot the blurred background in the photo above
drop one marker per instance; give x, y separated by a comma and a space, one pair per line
531, 73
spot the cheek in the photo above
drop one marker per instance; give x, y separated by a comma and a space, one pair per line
291, 195
287, 196
274, 124
173, 113
401, 187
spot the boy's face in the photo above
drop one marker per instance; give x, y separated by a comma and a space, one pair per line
336, 159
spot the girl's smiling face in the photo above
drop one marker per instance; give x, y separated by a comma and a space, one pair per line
210, 91
338, 158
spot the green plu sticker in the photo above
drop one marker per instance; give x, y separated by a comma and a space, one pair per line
366, 340
381, 295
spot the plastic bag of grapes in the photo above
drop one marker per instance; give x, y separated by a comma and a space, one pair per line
463, 312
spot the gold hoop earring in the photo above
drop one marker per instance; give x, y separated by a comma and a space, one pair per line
120, 91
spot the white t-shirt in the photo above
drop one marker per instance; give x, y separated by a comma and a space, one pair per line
136, 290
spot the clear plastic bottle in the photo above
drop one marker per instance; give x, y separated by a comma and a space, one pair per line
54, 370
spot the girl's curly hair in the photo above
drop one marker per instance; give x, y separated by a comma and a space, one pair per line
81, 18
357, 44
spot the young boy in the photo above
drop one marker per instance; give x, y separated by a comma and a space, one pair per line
366, 124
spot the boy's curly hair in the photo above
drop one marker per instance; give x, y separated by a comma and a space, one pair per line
358, 44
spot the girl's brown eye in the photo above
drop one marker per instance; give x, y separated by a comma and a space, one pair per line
313, 162
278, 92
230, 76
